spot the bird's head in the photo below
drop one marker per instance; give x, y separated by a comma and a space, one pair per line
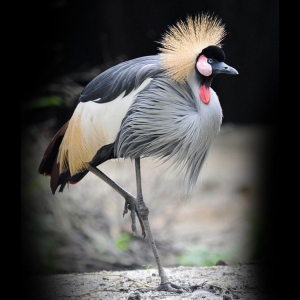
211, 62
195, 45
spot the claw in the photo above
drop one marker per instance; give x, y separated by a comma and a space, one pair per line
125, 211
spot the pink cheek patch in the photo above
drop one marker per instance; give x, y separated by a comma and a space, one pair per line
203, 67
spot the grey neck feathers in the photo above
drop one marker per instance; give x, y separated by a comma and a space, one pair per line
167, 121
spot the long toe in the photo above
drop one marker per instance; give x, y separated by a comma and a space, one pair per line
125, 211
170, 287
133, 222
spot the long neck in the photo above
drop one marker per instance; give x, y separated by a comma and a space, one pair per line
204, 80
203, 83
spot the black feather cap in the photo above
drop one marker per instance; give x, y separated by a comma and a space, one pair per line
213, 52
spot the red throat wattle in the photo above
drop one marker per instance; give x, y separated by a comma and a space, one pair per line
204, 94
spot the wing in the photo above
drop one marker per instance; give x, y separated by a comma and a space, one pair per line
102, 106
125, 76
88, 137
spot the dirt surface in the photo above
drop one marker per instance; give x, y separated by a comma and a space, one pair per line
241, 281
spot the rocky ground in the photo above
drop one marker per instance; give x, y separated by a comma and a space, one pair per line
241, 281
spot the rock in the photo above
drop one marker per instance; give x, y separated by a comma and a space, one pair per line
135, 296
221, 263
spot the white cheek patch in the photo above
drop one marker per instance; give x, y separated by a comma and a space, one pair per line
203, 66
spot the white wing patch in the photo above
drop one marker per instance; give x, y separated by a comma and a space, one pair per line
92, 126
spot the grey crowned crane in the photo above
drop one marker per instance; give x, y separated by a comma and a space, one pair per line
159, 106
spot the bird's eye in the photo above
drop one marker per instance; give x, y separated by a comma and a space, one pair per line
210, 60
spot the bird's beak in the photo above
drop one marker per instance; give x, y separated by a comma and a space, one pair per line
221, 67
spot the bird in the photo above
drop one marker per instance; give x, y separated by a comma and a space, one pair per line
160, 106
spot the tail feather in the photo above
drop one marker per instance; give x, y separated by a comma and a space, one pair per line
51, 152
50, 167
104, 154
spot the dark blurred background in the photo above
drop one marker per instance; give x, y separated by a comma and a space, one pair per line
72, 36
68, 43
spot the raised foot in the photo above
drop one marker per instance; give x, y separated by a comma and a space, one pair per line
130, 204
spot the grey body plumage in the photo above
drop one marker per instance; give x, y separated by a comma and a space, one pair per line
168, 121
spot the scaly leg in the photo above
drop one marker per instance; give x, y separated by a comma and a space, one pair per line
143, 211
130, 200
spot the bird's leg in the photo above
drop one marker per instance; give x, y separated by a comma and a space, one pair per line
130, 200
143, 210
